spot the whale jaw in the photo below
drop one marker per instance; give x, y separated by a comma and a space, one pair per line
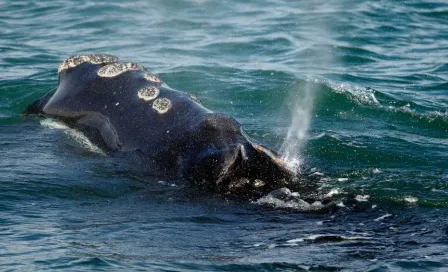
246, 170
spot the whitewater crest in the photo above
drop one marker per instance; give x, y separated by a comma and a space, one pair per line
285, 198
366, 96
359, 95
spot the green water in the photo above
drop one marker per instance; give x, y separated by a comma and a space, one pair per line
360, 86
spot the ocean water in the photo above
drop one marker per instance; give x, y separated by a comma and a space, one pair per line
354, 93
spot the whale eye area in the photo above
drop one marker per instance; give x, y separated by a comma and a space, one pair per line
148, 93
93, 58
162, 105
118, 68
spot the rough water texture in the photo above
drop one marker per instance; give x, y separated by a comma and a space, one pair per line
376, 139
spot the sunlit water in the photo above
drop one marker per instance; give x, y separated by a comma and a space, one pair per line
353, 93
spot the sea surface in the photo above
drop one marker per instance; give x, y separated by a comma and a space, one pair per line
353, 93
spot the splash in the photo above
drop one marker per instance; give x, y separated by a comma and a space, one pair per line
322, 60
296, 137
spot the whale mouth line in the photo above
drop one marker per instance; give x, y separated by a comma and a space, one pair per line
253, 172
74, 134
275, 158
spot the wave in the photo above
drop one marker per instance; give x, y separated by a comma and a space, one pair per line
368, 97
346, 102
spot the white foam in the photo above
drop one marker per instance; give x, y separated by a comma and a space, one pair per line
362, 198
73, 133
284, 198
314, 237
318, 236
333, 192
357, 94
411, 199
387, 215
278, 203
438, 114
294, 241
342, 179
316, 174
430, 116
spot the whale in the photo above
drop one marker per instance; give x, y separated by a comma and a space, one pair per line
122, 108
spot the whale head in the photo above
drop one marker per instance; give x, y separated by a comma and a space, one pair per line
230, 163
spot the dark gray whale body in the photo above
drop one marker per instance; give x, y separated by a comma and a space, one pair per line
123, 108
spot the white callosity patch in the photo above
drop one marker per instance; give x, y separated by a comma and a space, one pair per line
162, 105
148, 93
115, 69
194, 98
94, 59
152, 78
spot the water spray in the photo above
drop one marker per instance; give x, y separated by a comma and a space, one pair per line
302, 106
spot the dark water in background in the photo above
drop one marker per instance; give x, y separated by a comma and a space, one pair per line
374, 78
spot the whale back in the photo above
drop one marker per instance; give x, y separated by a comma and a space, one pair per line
130, 108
